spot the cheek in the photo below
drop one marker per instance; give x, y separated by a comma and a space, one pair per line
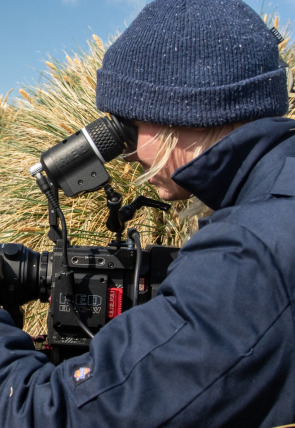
147, 150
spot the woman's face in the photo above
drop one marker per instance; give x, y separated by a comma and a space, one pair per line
147, 149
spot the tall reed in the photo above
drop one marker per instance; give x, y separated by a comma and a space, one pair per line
42, 116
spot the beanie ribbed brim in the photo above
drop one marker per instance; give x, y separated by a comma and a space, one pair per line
201, 107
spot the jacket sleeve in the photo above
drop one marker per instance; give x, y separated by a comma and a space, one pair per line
198, 354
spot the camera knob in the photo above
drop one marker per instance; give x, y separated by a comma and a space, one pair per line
11, 251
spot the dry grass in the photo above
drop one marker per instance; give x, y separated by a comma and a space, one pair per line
287, 51
40, 118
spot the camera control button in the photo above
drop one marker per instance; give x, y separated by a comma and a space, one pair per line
11, 251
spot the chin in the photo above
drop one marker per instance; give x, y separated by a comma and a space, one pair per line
174, 196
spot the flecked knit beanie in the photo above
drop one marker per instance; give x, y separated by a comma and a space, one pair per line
193, 63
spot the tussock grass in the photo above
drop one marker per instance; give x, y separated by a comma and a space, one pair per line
41, 117
46, 114
287, 52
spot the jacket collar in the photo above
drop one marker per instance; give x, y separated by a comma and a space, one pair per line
216, 176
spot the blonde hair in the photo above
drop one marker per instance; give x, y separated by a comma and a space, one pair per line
168, 138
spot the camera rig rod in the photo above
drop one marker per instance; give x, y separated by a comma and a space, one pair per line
118, 215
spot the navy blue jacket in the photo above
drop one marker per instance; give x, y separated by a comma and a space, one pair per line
216, 347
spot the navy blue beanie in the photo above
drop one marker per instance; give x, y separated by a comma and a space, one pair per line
193, 63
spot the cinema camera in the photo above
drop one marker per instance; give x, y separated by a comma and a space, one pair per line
86, 286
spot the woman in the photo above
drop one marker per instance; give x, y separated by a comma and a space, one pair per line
215, 348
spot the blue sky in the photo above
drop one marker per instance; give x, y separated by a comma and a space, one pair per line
30, 30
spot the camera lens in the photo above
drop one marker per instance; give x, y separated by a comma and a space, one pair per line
19, 274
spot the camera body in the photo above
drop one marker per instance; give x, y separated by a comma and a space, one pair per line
103, 289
